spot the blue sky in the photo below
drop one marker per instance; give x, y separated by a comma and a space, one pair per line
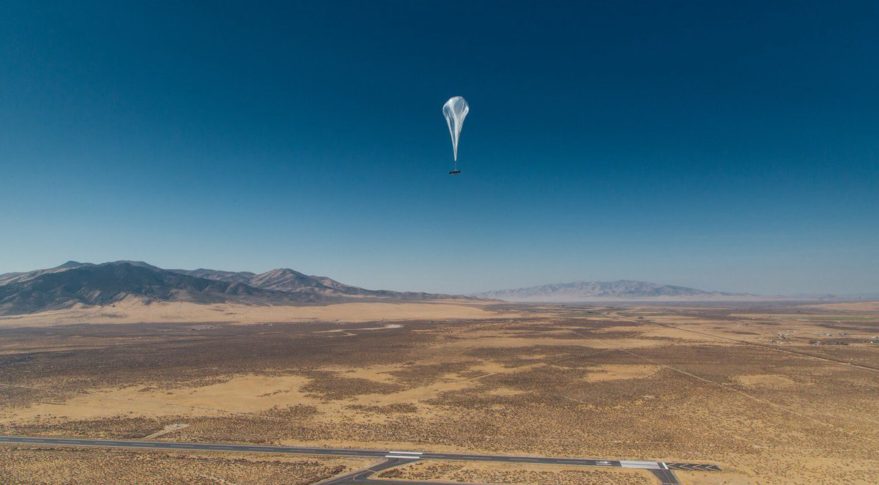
730, 146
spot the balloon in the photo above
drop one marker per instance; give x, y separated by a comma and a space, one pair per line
455, 110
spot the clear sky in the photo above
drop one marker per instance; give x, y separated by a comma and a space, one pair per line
722, 145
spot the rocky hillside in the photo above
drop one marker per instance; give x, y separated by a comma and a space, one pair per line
101, 284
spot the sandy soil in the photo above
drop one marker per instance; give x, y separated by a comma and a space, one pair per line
712, 478
134, 311
239, 394
769, 381
747, 389
520, 474
859, 306
614, 372
87, 466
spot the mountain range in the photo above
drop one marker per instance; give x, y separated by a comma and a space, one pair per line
621, 290
75, 283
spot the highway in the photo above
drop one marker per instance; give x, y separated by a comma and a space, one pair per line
663, 471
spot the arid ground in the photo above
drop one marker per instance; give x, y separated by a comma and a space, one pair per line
772, 393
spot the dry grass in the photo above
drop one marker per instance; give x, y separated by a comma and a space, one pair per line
745, 388
860, 306
616, 372
520, 474
133, 310
87, 466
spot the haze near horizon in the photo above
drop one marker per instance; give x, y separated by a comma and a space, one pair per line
721, 147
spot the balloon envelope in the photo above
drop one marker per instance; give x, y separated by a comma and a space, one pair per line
455, 110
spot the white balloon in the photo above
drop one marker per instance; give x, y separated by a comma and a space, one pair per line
455, 110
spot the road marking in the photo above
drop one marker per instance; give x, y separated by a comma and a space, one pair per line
405, 455
702, 467
649, 465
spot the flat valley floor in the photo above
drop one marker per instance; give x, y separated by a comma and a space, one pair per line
771, 393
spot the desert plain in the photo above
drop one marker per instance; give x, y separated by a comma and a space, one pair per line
770, 392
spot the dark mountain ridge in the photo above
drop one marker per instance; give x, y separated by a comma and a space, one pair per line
101, 284
292, 281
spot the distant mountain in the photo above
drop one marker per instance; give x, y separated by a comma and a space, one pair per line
290, 281
101, 284
286, 280
21, 277
604, 290
212, 274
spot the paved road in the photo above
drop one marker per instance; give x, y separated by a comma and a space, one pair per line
665, 476
362, 476
392, 458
